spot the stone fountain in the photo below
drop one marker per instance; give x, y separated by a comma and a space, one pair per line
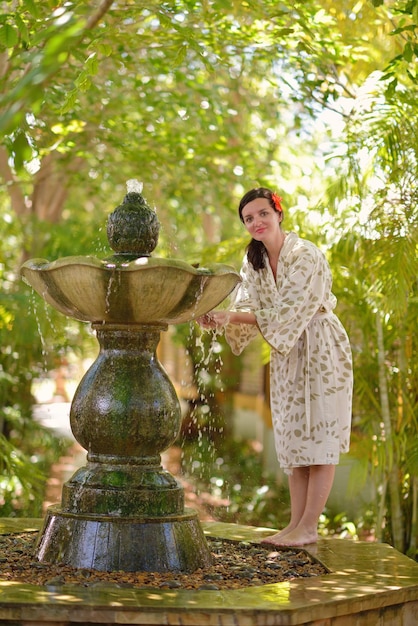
122, 510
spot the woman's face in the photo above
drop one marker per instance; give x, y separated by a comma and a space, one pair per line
261, 221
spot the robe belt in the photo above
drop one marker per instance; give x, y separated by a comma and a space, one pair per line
293, 364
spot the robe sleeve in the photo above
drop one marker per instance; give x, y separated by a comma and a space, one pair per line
246, 299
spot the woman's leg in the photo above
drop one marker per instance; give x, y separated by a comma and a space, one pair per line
298, 487
309, 493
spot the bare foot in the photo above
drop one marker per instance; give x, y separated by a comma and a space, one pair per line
284, 531
293, 537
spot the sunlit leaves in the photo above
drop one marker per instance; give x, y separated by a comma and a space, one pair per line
50, 49
404, 63
32, 7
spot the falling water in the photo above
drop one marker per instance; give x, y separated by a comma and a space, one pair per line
205, 456
34, 304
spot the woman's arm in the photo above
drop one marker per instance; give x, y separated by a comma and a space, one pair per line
219, 319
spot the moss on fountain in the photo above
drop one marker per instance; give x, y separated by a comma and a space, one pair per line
133, 227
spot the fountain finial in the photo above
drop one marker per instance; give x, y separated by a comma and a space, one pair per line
133, 227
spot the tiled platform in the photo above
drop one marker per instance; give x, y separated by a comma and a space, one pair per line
369, 584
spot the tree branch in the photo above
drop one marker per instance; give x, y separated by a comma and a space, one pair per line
101, 11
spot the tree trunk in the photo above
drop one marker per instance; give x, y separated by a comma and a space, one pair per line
392, 468
412, 550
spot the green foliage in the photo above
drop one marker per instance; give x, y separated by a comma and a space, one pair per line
379, 290
49, 51
25, 464
404, 64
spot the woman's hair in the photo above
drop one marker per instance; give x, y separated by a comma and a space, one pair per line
256, 249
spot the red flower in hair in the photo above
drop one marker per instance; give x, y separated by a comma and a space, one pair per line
277, 202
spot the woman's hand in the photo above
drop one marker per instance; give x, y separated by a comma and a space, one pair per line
214, 319
219, 319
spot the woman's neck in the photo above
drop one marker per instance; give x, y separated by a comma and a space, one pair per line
273, 251
274, 248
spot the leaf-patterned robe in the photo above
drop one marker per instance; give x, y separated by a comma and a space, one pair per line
310, 369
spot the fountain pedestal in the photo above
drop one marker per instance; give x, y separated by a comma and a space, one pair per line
123, 511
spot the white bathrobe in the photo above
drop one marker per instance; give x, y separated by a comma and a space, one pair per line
311, 376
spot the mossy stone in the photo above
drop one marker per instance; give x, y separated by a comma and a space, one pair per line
133, 227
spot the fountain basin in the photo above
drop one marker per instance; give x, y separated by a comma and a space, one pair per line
369, 584
123, 290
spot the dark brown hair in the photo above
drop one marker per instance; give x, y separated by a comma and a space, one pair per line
256, 249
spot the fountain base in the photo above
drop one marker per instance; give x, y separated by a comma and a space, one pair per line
368, 583
111, 543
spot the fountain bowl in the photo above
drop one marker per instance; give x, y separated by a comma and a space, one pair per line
126, 290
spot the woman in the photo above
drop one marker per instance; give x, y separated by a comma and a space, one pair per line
286, 295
